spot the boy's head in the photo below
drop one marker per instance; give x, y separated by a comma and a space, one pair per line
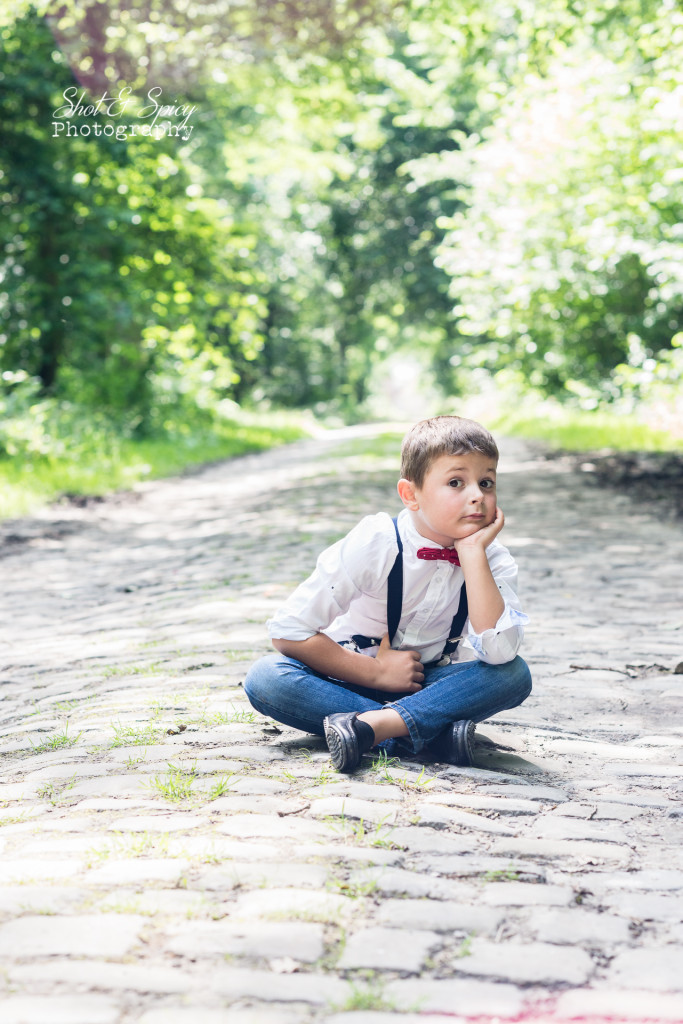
442, 435
449, 479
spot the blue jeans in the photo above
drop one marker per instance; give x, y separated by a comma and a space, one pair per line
292, 693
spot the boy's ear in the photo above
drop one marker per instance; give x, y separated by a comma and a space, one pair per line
406, 492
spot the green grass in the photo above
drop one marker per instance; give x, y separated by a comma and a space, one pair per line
368, 996
141, 845
210, 719
132, 670
56, 741
53, 791
28, 482
357, 832
136, 735
576, 430
177, 785
354, 890
380, 447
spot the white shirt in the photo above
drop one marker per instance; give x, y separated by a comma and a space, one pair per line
347, 594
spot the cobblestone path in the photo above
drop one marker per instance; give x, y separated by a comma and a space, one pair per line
169, 857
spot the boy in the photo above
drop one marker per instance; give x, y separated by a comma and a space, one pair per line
367, 657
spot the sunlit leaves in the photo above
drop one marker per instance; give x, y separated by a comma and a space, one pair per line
101, 244
569, 239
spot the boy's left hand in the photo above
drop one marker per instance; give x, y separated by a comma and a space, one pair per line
485, 603
482, 538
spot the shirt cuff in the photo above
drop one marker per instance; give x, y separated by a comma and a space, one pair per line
288, 629
500, 643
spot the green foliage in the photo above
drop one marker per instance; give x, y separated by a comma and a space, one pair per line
126, 290
566, 258
575, 430
496, 186
56, 448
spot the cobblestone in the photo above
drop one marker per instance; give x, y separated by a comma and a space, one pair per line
472, 998
440, 916
448, 817
167, 856
579, 927
524, 894
388, 949
527, 962
99, 935
646, 906
615, 1004
658, 969
254, 939
291, 903
70, 1009
350, 807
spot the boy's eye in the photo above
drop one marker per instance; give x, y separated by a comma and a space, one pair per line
455, 483
487, 485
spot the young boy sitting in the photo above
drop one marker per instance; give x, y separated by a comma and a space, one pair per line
407, 632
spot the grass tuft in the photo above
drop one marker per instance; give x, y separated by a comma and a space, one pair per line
177, 784
136, 735
57, 741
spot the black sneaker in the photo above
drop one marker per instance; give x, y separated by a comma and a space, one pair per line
342, 740
455, 745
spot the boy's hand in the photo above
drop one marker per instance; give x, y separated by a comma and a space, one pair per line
485, 602
398, 671
482, 538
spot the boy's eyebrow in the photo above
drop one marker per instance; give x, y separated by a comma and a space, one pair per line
456, 468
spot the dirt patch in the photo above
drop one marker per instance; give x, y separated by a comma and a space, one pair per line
646, 476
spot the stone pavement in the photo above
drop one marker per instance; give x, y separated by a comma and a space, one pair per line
169, 857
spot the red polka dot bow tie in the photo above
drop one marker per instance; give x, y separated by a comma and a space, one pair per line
439, 554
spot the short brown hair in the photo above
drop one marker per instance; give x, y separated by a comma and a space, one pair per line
442, 435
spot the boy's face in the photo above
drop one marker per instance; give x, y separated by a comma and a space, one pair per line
457, 497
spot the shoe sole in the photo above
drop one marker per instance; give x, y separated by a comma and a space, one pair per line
338, 749
464, 746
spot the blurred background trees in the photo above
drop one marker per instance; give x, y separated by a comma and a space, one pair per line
486, 191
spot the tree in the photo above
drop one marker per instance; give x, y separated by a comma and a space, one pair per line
122, 285
566, 248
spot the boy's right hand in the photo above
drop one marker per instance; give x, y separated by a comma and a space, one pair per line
398, 671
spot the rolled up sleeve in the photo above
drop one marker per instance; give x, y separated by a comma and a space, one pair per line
355, 564
316, 602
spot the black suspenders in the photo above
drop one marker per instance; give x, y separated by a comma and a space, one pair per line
395, 589
395, 601
395, 606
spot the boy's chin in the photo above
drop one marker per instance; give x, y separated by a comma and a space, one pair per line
470, 529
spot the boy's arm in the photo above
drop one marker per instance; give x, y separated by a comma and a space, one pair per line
392, 671
485, 602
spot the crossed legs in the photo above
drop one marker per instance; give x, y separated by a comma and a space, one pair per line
292, 693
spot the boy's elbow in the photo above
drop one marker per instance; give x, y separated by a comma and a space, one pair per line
288, 648
496, 658
281, 646
500, 649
